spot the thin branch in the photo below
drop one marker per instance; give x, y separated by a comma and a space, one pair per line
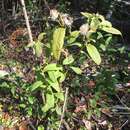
121, 108
125, 123
122, 102
27, 21
64, 107
46, 4
32, 126
66, 125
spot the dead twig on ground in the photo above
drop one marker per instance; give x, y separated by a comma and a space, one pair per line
125, 123
66, 125
121, 101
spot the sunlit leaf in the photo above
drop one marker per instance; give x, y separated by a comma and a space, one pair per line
41, 36
22, 105
111, 30
60, 96
35, 85
51, 67
73, 36
31, 99
58, 110
106, 23
41, 128
56, 75
38, 48
100, 17
58, 41
76, 70
52, 75
60, 76
68, 60
3, 73
94, 23
54, 85
94, 54
88, 15
49, 102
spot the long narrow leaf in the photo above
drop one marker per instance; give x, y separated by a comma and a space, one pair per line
58, 41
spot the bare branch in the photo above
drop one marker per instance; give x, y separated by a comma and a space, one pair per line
27, 21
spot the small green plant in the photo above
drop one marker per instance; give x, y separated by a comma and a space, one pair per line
63, 50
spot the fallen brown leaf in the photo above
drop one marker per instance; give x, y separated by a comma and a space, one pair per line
24, 126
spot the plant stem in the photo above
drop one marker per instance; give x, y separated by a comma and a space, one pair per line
64, 107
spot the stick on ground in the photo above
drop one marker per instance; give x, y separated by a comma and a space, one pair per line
27, 21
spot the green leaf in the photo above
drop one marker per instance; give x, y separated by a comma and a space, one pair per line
68, 60
111, 30
60, 96
73, 36
100, 17
52, 76
93, 103
75, 44
61, 77
38, 48
58, 41
103, 47
49, 102
88, 15
108, 40
31, 99
77, 70
41, 127
3, 73
94, 24
54, 85
22, 105
94, 54
56, 75
51, 67
105, 23
99, 35
36, 85
29, 111
41, 36
89, 33
58, 110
